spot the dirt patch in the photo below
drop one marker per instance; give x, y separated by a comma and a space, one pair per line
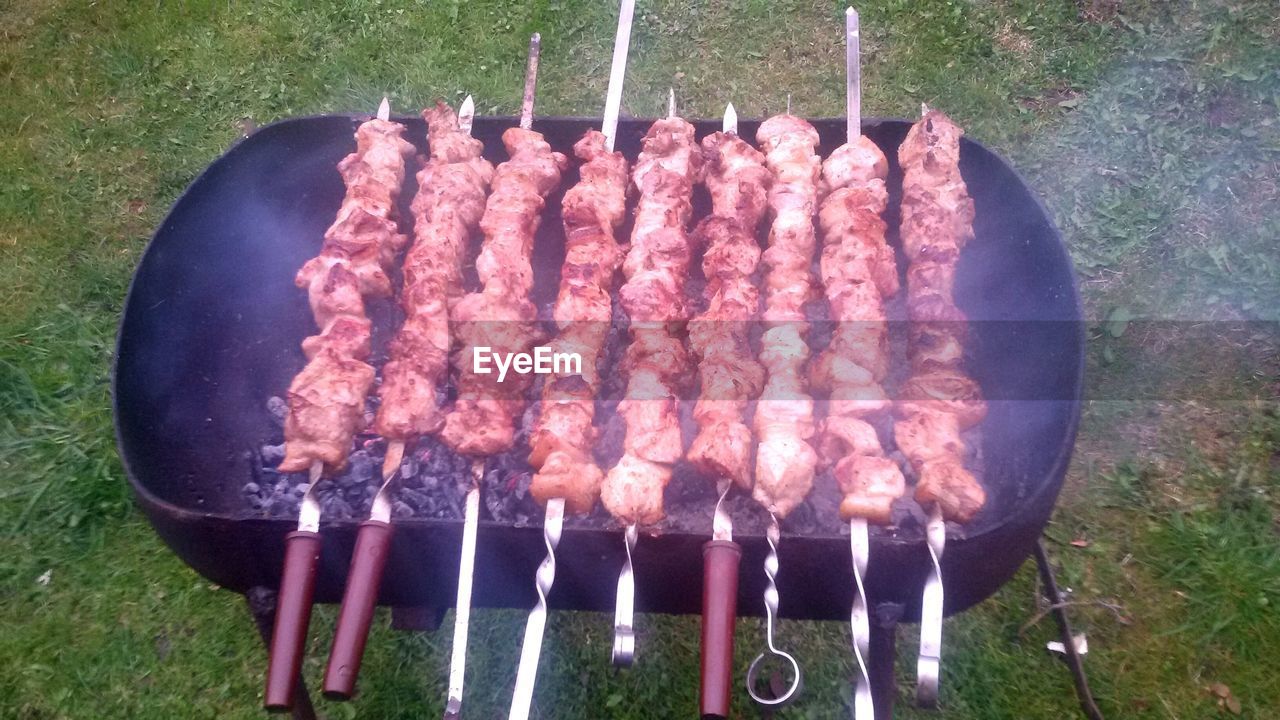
1060, 95
1016, 42
1099, 11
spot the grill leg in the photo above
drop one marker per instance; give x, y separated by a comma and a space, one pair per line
1087, 705
262, 605
884, 630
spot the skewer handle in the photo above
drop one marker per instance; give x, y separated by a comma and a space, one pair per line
720, 562
293, 615
624, 615
462, 605
928, 665
358, 601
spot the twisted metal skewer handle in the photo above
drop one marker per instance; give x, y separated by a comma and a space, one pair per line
462, 612
532, 648
772, 535
929, 664
624, 631
860, 619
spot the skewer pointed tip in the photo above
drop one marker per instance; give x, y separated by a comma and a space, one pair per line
730, 120
788, 103
849, 12
384, 109
617, 73
530, 81
466, 114
924, 109
671, 102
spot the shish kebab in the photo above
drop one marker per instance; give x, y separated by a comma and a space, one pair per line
446, 210
858, 272
784, 419
730, 378
501, 317
326, 399
939, 399
656, 362
562, 442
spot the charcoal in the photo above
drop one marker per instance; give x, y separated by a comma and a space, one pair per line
408, 467
251, 488
272, 454
278, 408
416, 499
401, 510
335, 508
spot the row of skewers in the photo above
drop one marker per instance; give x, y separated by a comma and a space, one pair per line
775, 457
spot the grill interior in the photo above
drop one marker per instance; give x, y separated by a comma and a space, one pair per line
213, 322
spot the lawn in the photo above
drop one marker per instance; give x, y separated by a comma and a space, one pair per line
1150, 129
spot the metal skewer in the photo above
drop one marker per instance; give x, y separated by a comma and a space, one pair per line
623, 651
470, 524
293, 603
553, 522
624, 630
530, 81
772, 535
859, 539
297, 582
721, 560
929, 662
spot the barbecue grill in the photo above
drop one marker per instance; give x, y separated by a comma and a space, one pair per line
211, 330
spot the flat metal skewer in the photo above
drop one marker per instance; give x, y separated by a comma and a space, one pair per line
530, 81
773, 534
928, 665
617, 73
859, 538
721, 561
623, 653
624, 614
470, 525
553, 522
624, 631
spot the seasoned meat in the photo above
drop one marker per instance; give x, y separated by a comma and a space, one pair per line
564, 436
656, 267
939, 399
326, 399
500, 316
446, 211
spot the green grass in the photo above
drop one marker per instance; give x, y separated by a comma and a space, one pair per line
1150, 129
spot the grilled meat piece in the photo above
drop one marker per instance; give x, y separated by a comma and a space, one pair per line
501, 317
446, 211
326, 399
858, 274
730, 376
939, 399
564, 436
656, 266
785, 461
